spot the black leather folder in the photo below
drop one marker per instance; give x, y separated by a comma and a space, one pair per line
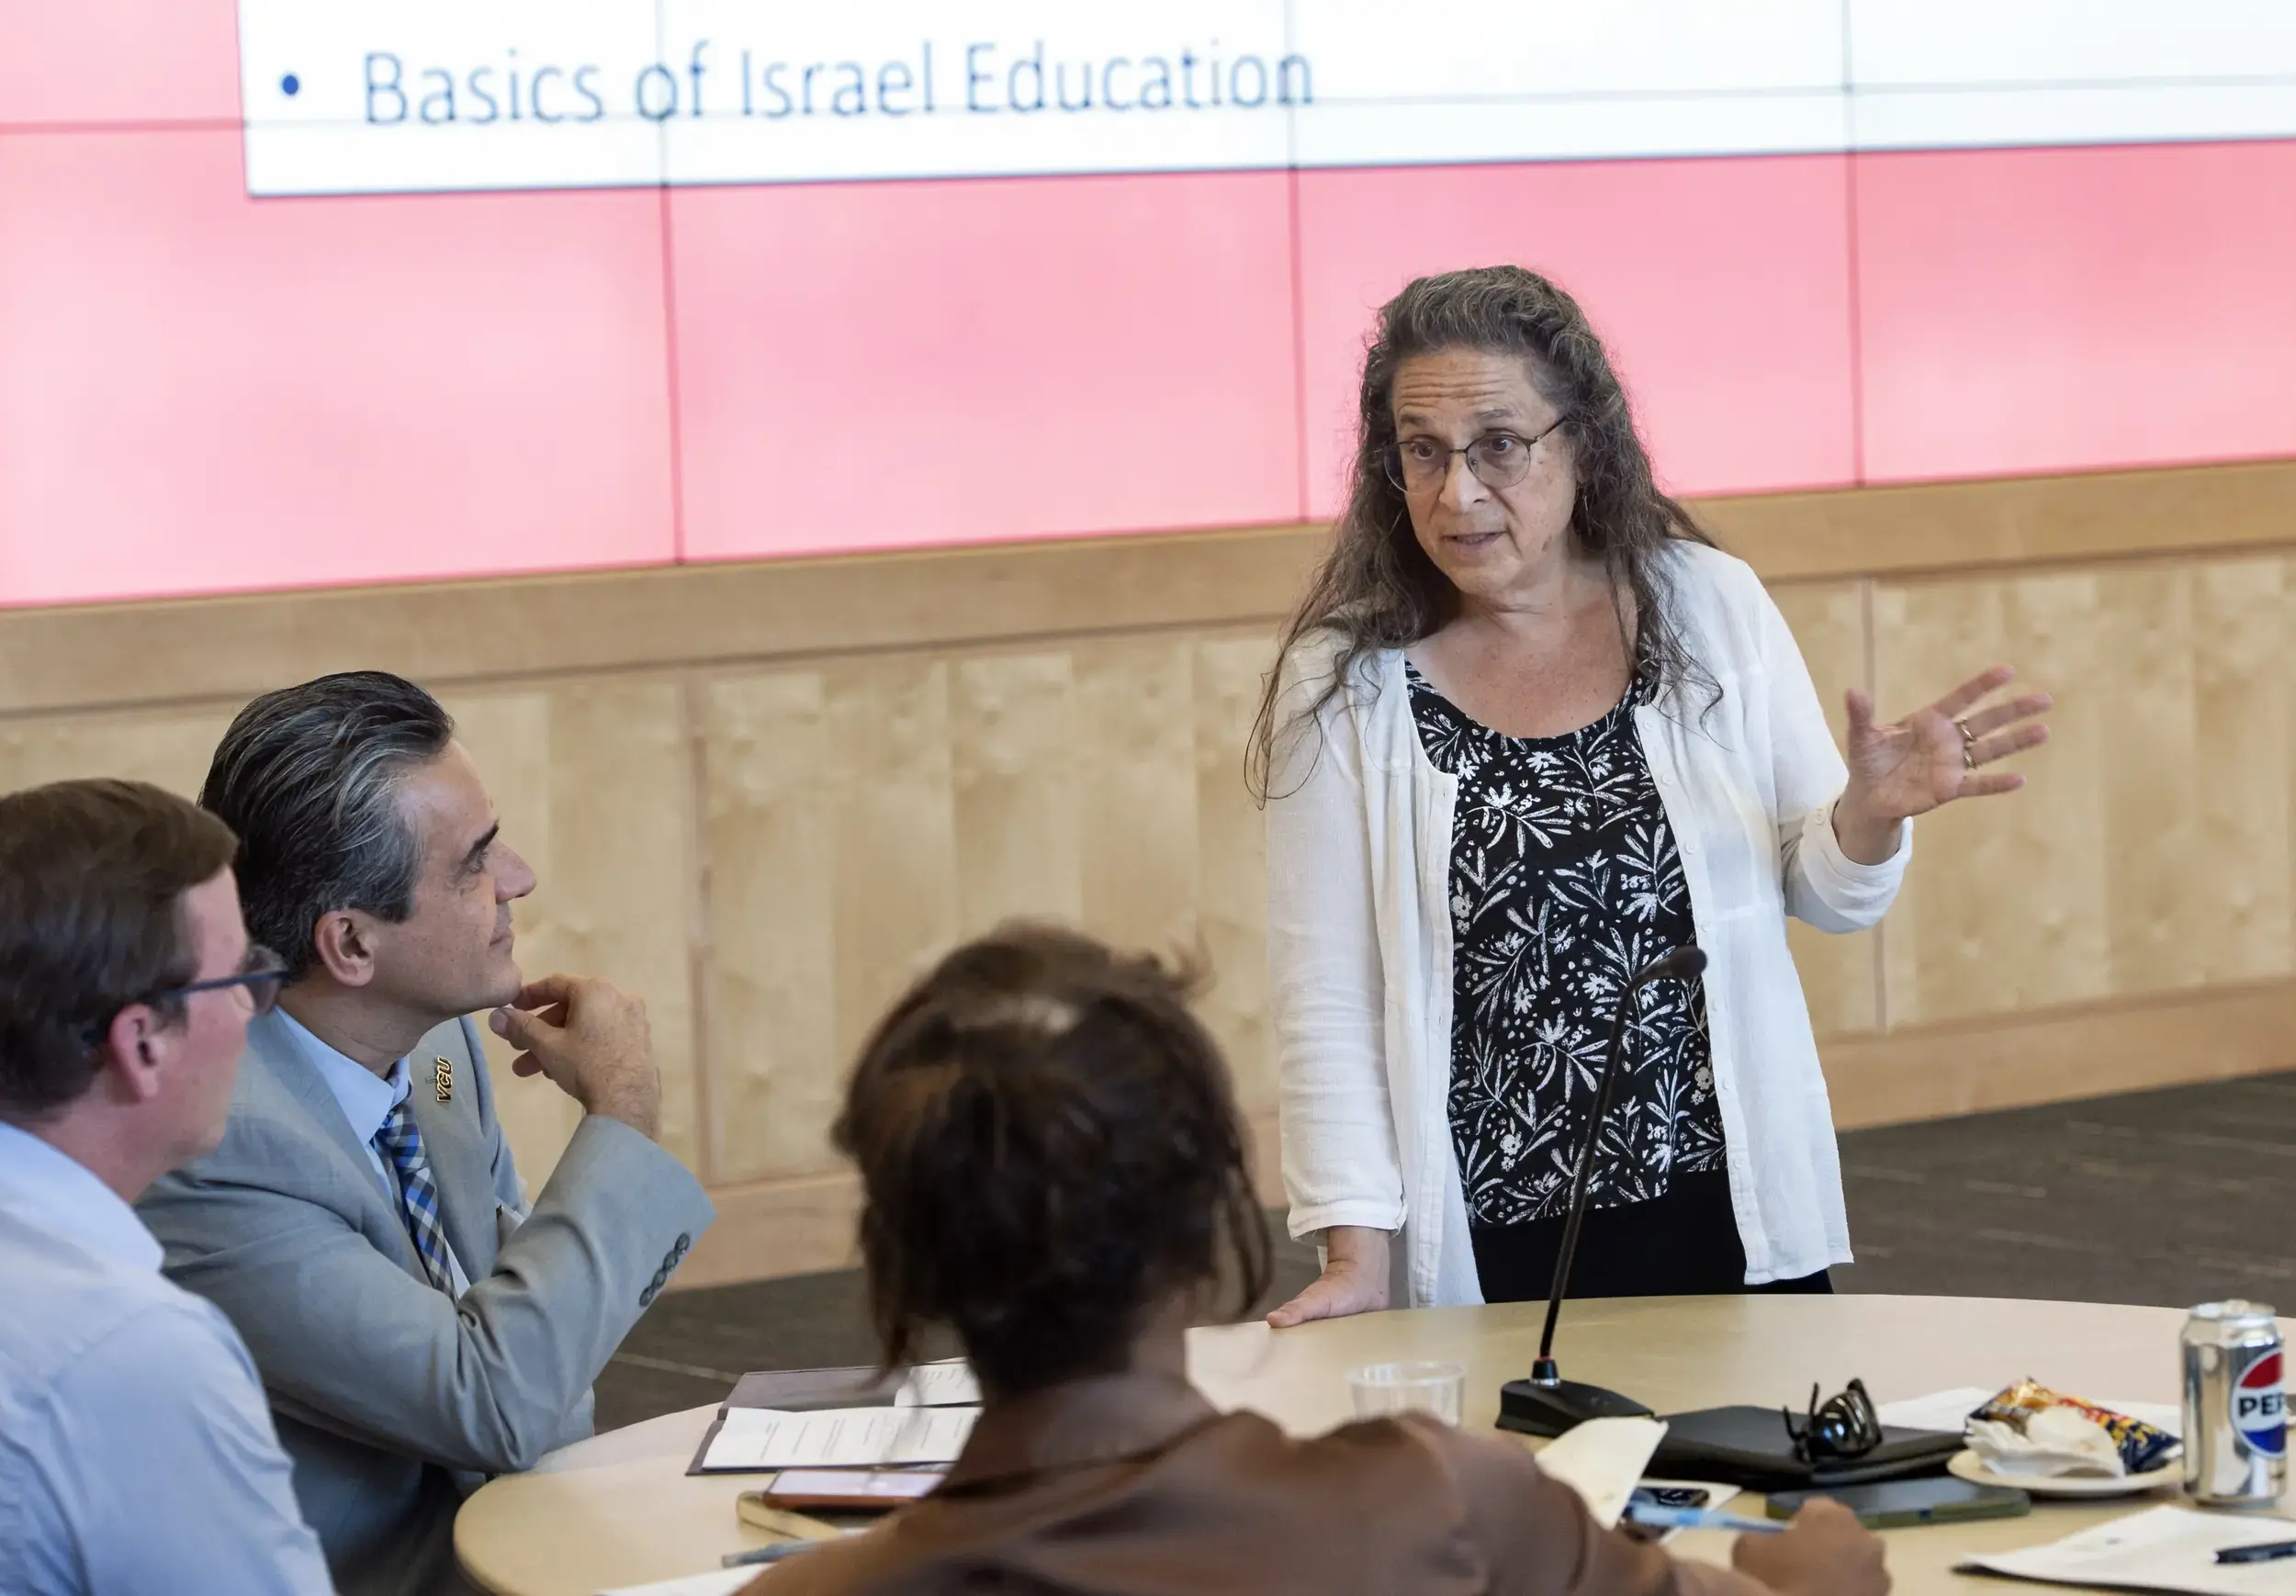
802, 1391
1750, 1447
811, 1390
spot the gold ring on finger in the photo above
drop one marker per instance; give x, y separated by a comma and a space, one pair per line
1968, 745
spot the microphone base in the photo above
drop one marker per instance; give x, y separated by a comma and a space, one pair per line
1536, 1408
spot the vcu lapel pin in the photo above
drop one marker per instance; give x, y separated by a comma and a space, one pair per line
445, 1079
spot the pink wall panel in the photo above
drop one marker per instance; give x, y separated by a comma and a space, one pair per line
201, 392
118, 60
875, 365
2034, 310
1720, 287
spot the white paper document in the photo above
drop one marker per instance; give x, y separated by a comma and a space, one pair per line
1947, 1410
2168, 1548
1939, 1410
717, 1582
839, 1437
1602, 1460
941, 1385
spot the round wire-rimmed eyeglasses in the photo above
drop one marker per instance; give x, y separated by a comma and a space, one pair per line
1498, 459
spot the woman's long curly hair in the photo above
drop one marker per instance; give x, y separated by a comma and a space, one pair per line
1378, 588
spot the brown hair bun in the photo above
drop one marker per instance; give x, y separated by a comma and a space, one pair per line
1048, 1147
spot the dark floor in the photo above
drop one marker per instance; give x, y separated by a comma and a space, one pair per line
2166, 1198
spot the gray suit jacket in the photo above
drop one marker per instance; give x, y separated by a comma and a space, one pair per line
393, 1399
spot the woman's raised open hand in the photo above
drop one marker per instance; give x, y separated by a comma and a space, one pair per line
1901, 768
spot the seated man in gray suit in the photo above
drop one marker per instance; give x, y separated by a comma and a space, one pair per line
417, 1324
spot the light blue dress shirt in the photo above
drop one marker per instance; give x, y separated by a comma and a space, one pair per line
366, 1100
136, 1448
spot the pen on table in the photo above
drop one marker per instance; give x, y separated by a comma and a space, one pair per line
2263, 1552
1652, 1517
772, 1554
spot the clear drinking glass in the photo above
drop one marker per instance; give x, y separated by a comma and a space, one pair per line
1409, 1387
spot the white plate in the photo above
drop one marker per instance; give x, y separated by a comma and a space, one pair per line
1968, 1466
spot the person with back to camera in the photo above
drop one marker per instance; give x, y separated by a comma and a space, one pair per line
1529, 731
1052, 1164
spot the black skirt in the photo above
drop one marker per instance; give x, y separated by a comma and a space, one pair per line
1683, 1243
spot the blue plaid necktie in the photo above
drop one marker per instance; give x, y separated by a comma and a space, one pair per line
400, 1141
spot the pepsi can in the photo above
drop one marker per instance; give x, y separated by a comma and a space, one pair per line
2235, 1411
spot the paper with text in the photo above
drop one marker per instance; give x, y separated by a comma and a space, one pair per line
717, 1582
941, 1385
391, 97
839, 1438
2167, 1548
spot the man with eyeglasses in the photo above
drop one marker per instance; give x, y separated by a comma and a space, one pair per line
136, 1450
420, 1324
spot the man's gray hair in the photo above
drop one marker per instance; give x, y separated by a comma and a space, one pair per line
310, 779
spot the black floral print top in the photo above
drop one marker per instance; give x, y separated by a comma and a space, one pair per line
1564, 881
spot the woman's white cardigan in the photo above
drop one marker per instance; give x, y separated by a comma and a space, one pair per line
1360, 934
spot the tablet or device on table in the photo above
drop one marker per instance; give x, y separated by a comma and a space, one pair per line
1897, 1503
1748, 1446
849, 1490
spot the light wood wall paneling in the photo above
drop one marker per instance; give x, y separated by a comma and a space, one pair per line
894, 908
1232, 862
2053, 1055
169, 748
765, 1228
593, 783
509, 628
2004, 904
1996, 522
767, 796
508, 736
2242, 635
2150, 851
864, 815
1136, 722
229, 648
2157, 924
834, 882
771, 954
1841, 976
1013, 757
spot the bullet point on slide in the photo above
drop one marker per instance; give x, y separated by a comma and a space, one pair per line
290, 84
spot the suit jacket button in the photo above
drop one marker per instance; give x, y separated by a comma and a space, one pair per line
682, 1243
661, 1278
645, 1297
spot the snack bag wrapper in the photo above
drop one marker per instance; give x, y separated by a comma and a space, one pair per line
2142, 1447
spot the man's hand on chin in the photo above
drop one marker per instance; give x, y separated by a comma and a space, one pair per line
592, 1042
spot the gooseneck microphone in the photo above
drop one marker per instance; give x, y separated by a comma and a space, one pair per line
1547, 1404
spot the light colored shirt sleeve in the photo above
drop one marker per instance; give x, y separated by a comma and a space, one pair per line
1824, 886
1340, 1162
161, 1471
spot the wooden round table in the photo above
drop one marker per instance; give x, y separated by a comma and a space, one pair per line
620, 1508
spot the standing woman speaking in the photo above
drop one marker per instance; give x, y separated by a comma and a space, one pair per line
1529, 732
